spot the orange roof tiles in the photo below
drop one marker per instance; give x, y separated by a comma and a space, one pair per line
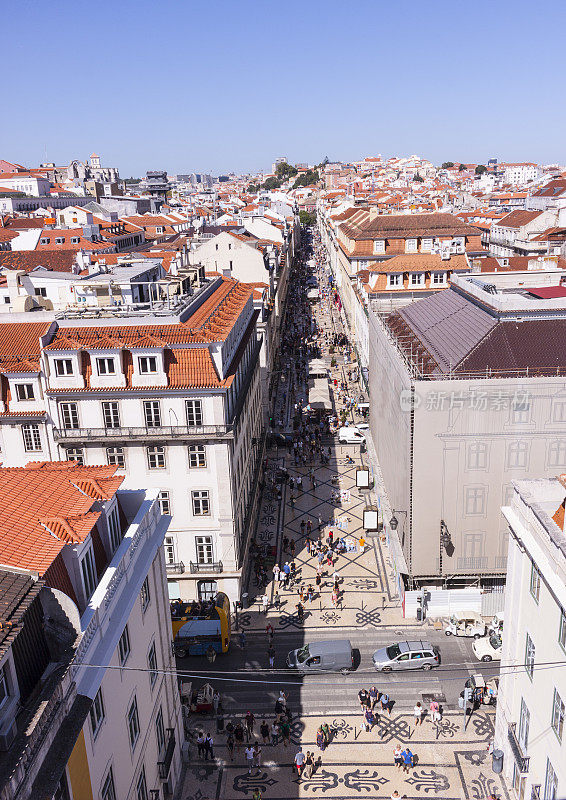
21, 340
44, 506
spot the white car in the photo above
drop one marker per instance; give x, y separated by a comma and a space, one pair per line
488, 648
351, 435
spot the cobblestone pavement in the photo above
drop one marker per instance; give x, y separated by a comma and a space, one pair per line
451, 761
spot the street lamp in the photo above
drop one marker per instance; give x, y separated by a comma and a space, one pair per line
394, 522
445, 538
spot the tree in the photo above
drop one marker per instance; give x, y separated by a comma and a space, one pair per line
447, 164
285, 170
308, 178
418, 178
253, 188
272, 183
307, 218
461, 168
480, 169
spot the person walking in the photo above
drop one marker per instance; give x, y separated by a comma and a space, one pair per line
249, 720
407, 760
201, 747
257, 794
418, 711
276, 571
309, 765
265, 603
303, 526
239, 735
274, 733
369, 719
292, 548
385, 703
435, 716
299, 762
257, 756
215, 702
277, 601
230, 745
398, 757
242, 640
373, 696
271, 656
209, 745
320, 739
249, 758
363, 699
285, 729
269, 631
264, 730
326, 733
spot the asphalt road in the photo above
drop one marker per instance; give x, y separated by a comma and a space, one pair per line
245, 683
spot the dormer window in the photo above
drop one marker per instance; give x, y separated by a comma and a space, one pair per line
106, 366
63, 366
379, 246
60, 240
410, 245
417, 279
24, 391
75, 239
393, 280
44, 240
147, 365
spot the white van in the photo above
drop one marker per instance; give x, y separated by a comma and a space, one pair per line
351, 435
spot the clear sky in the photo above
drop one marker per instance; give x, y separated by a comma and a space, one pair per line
213, 86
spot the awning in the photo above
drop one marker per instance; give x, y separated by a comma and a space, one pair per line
317, 368
547, 292
319, 396
314, 294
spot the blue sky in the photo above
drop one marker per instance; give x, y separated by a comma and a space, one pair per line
187, 85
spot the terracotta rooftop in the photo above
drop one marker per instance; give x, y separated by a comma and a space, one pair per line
20, 340
47, 505
55, 260
516, 219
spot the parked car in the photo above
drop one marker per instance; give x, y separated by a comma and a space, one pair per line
406, 655
332, 655
488, 648
351, 435
466, 623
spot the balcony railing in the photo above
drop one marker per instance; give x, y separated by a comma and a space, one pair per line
192, 432
175, 568
165, 765
472, 563
213, 566
521, 761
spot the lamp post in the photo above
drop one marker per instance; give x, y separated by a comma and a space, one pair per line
394, 522
445, 542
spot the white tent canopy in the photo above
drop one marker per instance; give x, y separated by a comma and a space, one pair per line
317, 368
319, 396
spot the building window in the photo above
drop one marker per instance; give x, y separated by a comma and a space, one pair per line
141, 786
108, 791
59, 240
204, 549
529, 656
426, 245
145, 594
152, 413
558, 715
96, 713
201, 503
75, 454
32, 437
44, 240
114, 529
520, 412
410, 245
169, 547
88, 573
63, 366
164, 500
197, 456
474, 500
69, 416
75, 239
379, 246
439, 278
124, 646
40, 291
160, 731
524, 723
24, 391
517, 455
550, 783
156, 457
207, 590
152, 664
111, 414
4, 691
147, 365
133, 723
106, 366
559, 411
194, 413
535, 582
393, 280
116, 456
562, 629
477, 455
417, 279
557, 453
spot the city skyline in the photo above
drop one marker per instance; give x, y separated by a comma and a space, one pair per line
449, 91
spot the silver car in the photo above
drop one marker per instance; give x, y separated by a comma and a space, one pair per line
406, 655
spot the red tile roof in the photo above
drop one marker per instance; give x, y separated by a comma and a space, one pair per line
21, 340
47, 505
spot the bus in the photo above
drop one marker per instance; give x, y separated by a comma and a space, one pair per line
201, 624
